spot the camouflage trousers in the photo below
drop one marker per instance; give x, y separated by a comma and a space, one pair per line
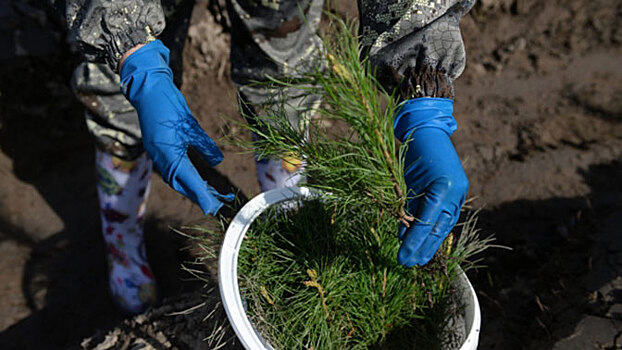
415, 46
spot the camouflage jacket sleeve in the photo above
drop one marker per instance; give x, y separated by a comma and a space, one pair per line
415, 45
105, 29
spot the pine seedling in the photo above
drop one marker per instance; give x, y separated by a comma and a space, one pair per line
355, 163
322, 273
312, 279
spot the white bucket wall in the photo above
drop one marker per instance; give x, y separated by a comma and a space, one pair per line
228, 273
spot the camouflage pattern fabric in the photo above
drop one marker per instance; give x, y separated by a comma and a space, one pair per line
279, 39
106, 29
110, 118
415, 46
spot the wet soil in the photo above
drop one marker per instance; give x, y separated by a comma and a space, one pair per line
539, 109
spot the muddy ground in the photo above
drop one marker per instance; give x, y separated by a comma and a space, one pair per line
540, 114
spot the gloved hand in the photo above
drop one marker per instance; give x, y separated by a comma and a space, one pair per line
436, 181
168, 128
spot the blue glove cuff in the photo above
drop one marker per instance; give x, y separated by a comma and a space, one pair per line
152, 58
426, 112
149, 57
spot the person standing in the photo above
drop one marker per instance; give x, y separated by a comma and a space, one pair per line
129, 85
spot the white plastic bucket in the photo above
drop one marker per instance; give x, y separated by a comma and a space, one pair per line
228, 273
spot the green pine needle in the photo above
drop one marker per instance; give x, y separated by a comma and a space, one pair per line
355, 163
323, 274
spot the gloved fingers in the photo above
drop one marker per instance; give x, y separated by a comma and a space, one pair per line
434, 240
212, 201
401, 230
431, 203
222, 197
413, 239
186, 129
422, 241
429, 208
411, 208
206, 147
187, 181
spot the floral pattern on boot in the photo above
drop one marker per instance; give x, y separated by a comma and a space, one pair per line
277, 173
122, 188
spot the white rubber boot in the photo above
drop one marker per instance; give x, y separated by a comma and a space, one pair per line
278, 173
123, 187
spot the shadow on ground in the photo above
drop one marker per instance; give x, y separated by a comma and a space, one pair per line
46, 145
561, 286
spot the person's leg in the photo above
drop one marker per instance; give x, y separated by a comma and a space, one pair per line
277, 39
123, 181
123, 188
123, 168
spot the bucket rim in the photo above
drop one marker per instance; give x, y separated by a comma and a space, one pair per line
228, 272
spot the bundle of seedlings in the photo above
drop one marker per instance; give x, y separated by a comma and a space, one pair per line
322, 273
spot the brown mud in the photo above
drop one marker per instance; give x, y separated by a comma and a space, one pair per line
539, 109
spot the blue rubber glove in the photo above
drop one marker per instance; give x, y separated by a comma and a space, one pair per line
168, 127
436, 181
